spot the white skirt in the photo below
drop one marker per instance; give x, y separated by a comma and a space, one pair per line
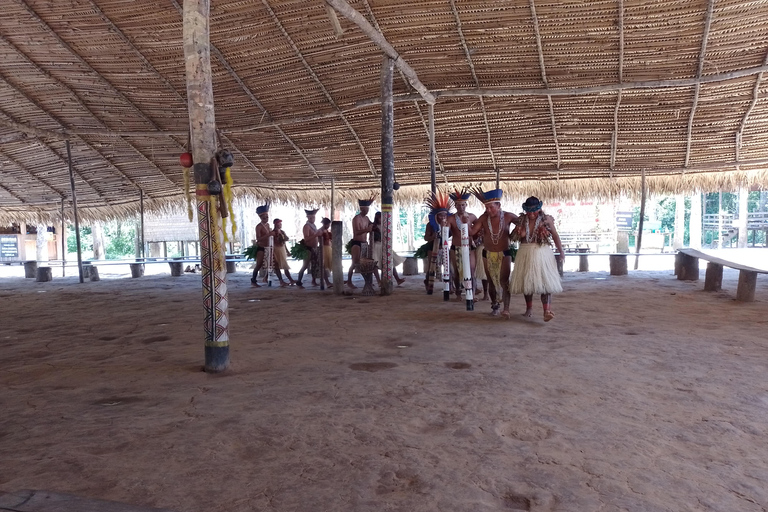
396, 258
535, 271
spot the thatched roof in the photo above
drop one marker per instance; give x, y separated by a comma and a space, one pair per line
562, 98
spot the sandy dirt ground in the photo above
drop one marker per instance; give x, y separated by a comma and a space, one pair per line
644, 394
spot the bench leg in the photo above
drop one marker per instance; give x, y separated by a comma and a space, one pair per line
583, 263
689, 268
618, 264
713, 281
747, 284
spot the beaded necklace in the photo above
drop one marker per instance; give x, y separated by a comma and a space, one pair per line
495, 237
528, 234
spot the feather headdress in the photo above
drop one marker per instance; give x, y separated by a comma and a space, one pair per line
439, 202
460, 195
485, 197
366, 202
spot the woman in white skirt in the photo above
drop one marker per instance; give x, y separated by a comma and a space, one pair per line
535, 270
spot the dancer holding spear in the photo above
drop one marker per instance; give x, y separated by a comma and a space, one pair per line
440, 206
461, 274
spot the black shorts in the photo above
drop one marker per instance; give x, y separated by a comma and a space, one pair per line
355, 243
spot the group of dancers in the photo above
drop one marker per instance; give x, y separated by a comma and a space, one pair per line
494, 237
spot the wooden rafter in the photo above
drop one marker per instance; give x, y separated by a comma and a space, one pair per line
242, 155
477, 82
379, 40
215, 51
615, 137
697, 88
29, 173
416, 99
322, 87
9, 119
334, 21
61, 123
543, 67
148, 65
755, 96
112, 88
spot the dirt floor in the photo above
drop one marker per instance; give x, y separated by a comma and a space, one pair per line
644, 394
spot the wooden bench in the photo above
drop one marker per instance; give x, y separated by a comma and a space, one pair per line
687, 269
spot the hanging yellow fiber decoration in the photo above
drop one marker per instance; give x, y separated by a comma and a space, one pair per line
187, 194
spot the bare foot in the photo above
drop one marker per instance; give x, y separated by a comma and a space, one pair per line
528, 313
255, 284
400, 281
505, 314
352, 286
314, 283
548, 315
283, 284
486, 298
299, 284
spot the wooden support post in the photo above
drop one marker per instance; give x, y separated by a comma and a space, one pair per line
410, 266
74, 209
333, 199
639, 240
63, 236
745, 292
689, 268
618, 264
694, 226
432, 175
387, 176
713, 280
202, 122
498, 177
678, 263
94, 274
337, 230
141, 211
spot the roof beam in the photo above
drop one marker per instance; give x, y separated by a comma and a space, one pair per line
245, 158
477, 83
334, 21
615, 137
540, 49
408, 86
702, 56
112, 88
61, 123
755, 96
50, 148
215, 51
30, 174
379, 40
148, 65
322, 87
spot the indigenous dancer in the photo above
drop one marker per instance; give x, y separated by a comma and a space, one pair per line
440, 206
361, 226
535, 266
460, 199
326, 237
281, 253
263, 233
497, 256
377, 250
310, 240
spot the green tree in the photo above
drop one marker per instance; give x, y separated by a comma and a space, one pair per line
86, 239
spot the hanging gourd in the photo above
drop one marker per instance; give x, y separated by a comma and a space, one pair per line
225, 160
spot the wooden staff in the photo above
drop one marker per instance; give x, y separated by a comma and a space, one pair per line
446, 252
321, 262
469, 287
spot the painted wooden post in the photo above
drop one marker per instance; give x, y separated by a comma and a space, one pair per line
337, 230
74, 209
387, 176
202, 122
